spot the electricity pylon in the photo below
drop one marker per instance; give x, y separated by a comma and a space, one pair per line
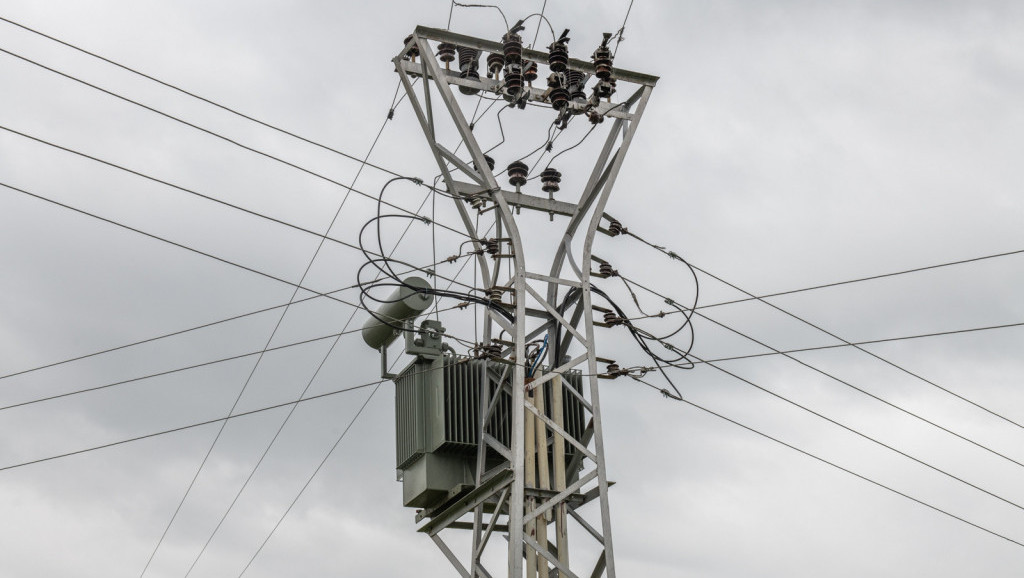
544, 475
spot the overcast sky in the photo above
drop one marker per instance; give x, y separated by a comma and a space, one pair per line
788, 144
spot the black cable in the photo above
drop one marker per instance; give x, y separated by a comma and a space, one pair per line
195, 96
622, 29
851, 472
461, 5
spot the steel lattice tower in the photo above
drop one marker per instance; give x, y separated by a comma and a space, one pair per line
529, 499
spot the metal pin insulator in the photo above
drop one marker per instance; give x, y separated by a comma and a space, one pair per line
517, 172
495, 62
413, 51
488, 160
446, 53
558, 56
512, 44
529, 71
549, 179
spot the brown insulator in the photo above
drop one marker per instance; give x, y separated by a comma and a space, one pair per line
446, 53
615, 228
558, 55
606, 270
478, 202
529, 71
492, 246
576, 80
612, 319
469, 64
495, 62
495, 295
413, 51
513, 47
603, 61
613, 369
488, 160
595, 117
513, 81
559, 98
517, 172
549, 179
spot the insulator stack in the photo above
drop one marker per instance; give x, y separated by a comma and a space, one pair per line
492, 246
606, 270
513, 81
513, 47
549, 179
595, 117
469, 64
603, 60
413, 51
477, 202
530, 71
517, 172
614, 370
494, 295
488, 160
615, 228
610, 318
446, 53
558, 95
576, 81
495, 62
558, 55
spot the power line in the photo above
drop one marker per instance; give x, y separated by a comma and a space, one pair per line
858, 280
861, 349
196, 193
865, 392
852, 473
197, 97
869, 342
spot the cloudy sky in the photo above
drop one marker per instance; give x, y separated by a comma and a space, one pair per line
787, 145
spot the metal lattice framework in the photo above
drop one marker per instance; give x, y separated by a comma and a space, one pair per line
545, 476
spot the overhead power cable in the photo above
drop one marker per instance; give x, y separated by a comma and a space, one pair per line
868, 352
762, 299
860, 279
269, 339
196, 193
853, 473
197, 97
865, 392
865, 436
869, 342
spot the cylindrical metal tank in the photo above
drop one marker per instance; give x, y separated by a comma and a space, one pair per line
405, 303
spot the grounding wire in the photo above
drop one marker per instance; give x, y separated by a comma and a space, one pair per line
195, 96
461, 5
